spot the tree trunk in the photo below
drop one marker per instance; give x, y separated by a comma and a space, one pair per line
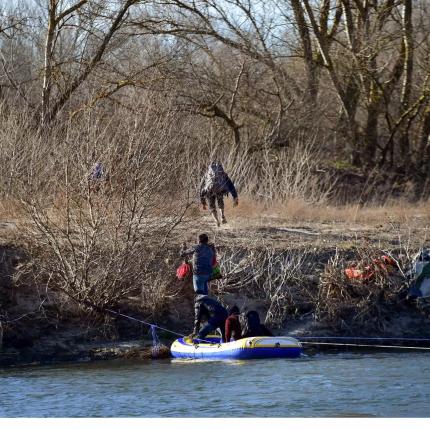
47, 69
371, 134
404, 144
311, 67
52, 112
423, 158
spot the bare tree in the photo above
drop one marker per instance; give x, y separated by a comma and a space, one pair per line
97, 41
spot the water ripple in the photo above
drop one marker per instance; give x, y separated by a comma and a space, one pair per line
331, 385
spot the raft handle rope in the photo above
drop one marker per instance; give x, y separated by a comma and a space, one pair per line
152, 326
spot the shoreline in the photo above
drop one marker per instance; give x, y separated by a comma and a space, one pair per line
141, 349
49, 328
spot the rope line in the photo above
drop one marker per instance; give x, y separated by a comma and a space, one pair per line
368, 346
411, 339
152, 326
144, 322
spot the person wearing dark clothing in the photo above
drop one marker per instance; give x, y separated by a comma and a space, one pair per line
97, 176
214, 186
253, 327
233, 329
211, 311
203, 257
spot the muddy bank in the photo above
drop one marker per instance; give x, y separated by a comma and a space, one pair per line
62, 346
54, 351
290, 273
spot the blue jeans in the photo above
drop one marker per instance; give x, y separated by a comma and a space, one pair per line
200, 283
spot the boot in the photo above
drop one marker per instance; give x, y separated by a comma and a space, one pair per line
223, 218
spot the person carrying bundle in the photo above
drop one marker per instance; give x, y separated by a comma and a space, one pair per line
203, 258
214, 186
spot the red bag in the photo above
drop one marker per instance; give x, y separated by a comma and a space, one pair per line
184, 271
369, 272
353, 273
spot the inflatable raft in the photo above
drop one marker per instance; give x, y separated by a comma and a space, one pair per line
243, 349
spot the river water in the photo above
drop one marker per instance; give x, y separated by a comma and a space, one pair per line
324, 385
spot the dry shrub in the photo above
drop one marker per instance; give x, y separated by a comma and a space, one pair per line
261, 171
95, 239
16, 137
284, 281
355, 304
157, 286
291, 173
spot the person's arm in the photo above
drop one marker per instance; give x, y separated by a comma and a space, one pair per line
197, 317
232, 190
214, 259
187, 252
425, 273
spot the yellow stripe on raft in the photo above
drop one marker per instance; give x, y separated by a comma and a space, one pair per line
251, 342
270, 342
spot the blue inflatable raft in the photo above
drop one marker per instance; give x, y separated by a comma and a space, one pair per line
243, 349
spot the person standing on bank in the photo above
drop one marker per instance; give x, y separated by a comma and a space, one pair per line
214, 186
203, 256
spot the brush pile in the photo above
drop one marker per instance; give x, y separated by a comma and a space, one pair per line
365, 302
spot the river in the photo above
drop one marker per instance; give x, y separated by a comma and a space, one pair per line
323, 385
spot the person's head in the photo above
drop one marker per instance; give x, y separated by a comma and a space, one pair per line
253, 315
234, 310
215, 169
203, 238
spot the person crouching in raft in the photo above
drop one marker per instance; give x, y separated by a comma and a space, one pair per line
211, 311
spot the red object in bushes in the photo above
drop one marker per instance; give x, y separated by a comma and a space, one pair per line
368, 272
353, 273
184, 271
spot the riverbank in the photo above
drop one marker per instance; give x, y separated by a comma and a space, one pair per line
285, 267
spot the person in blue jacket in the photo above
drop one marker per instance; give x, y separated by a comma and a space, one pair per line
214, 186
203, 256
210, 311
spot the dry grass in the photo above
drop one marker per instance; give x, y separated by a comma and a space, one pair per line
298, 210
11, 209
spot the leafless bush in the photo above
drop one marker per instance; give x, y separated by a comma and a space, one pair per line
364, 303
15, 135
290, 174
283, 280
94, 238
157, 288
